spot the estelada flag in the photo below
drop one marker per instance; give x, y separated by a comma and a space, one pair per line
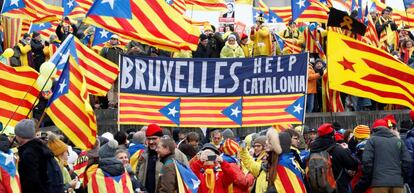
102, 182
341, 19
366, 71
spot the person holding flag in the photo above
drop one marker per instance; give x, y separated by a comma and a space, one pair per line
385, 28
261, 37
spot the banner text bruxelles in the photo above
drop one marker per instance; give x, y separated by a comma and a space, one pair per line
214, 77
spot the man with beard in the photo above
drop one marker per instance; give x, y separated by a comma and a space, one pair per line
149, 164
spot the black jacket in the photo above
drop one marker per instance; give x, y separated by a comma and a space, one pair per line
32, 166
38, 54
215, 44
342, 161
62, 35
202, 52
385, 161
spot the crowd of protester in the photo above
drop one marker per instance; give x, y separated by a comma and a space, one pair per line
329, 159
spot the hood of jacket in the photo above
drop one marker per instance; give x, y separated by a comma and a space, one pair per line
322, 143
383, 132
112, 166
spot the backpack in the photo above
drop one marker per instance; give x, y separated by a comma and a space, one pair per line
15, 59
54, 176
319, 174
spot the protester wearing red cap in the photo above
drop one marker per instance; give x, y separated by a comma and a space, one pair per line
341, 158
149, 164
391, 122
385, 160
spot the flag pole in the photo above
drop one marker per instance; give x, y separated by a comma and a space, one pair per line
40, 121
118, 92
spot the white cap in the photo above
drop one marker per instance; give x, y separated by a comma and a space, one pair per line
114, 36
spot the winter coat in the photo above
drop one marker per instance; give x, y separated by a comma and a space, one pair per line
223, 176
109, 169
247, 49
111, 53
242, 182
262, 41
312, 78
215, 44
39, 56
342, 160
142, 168
25, 54
409, 142
385, 161
168, 176
255, 168
32, 168
202, 52
232, 51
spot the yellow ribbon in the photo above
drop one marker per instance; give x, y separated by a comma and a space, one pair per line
347, 22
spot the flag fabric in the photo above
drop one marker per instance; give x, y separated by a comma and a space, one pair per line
248, 2
194, 111
371, 35
368, 72
319, 48
179, 5
257, 12
102, 182
11, 31
399, 16
14, 84
206, 5
101, 36
342, 20
25, 27
187, 180
134, 159
154, 23
282, 127
288, 45
309, 11
35, 11
44, 29
313, 37
289, 176
9, 176
262, 5
100, 73
331, 99
68, 6
79, 8
283, 12
69, 107
409, 5
80, 165
298, 7
274, 18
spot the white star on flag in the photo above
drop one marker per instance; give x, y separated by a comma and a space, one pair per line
301, 3
9, 158
64, 58
298, 108
274, 20
257, 14
14, 2
196, 183
62, 86
168, 1
172, 111
70, 3
111, 3
42, 25
235, 112
104, 33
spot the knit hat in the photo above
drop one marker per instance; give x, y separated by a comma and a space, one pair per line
154, 130
231, 36
244, 36
108, 150
25, 129
230, 147
339, 137
390, 120
210, 147
379, 123
325, 129
108, 136
56, 145
4, 143
203, 37
412, 115
228, 134
285, 141
260, 140
208, 27
361, 132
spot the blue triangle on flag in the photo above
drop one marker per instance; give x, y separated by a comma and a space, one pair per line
274, 18
101, 36
9, 5
39, 27
298, 7
66, 49
297, 109
62, 85
234, 112
170, 2
280, 41
172, 111
313, 26
111, 8
68, 6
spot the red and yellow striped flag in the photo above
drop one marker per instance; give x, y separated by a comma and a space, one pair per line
11, 30
102, 183
283, 12
206, 5
371, 36
331, 99
36, 11
69, 107
316, 12
25, 27
154, 23
14, 84
81, 10
369, 72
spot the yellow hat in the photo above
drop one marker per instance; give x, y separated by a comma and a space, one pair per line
362, 132
207, 26
56, 145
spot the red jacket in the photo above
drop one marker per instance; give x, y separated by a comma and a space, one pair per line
224, 176
242, 182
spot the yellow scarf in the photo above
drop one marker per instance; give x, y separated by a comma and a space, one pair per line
210, 180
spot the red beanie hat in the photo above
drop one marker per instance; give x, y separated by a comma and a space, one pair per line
325, 129
339, 137
379, 123
154, 130
412, 115
230, 147
244, 36
390, 119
